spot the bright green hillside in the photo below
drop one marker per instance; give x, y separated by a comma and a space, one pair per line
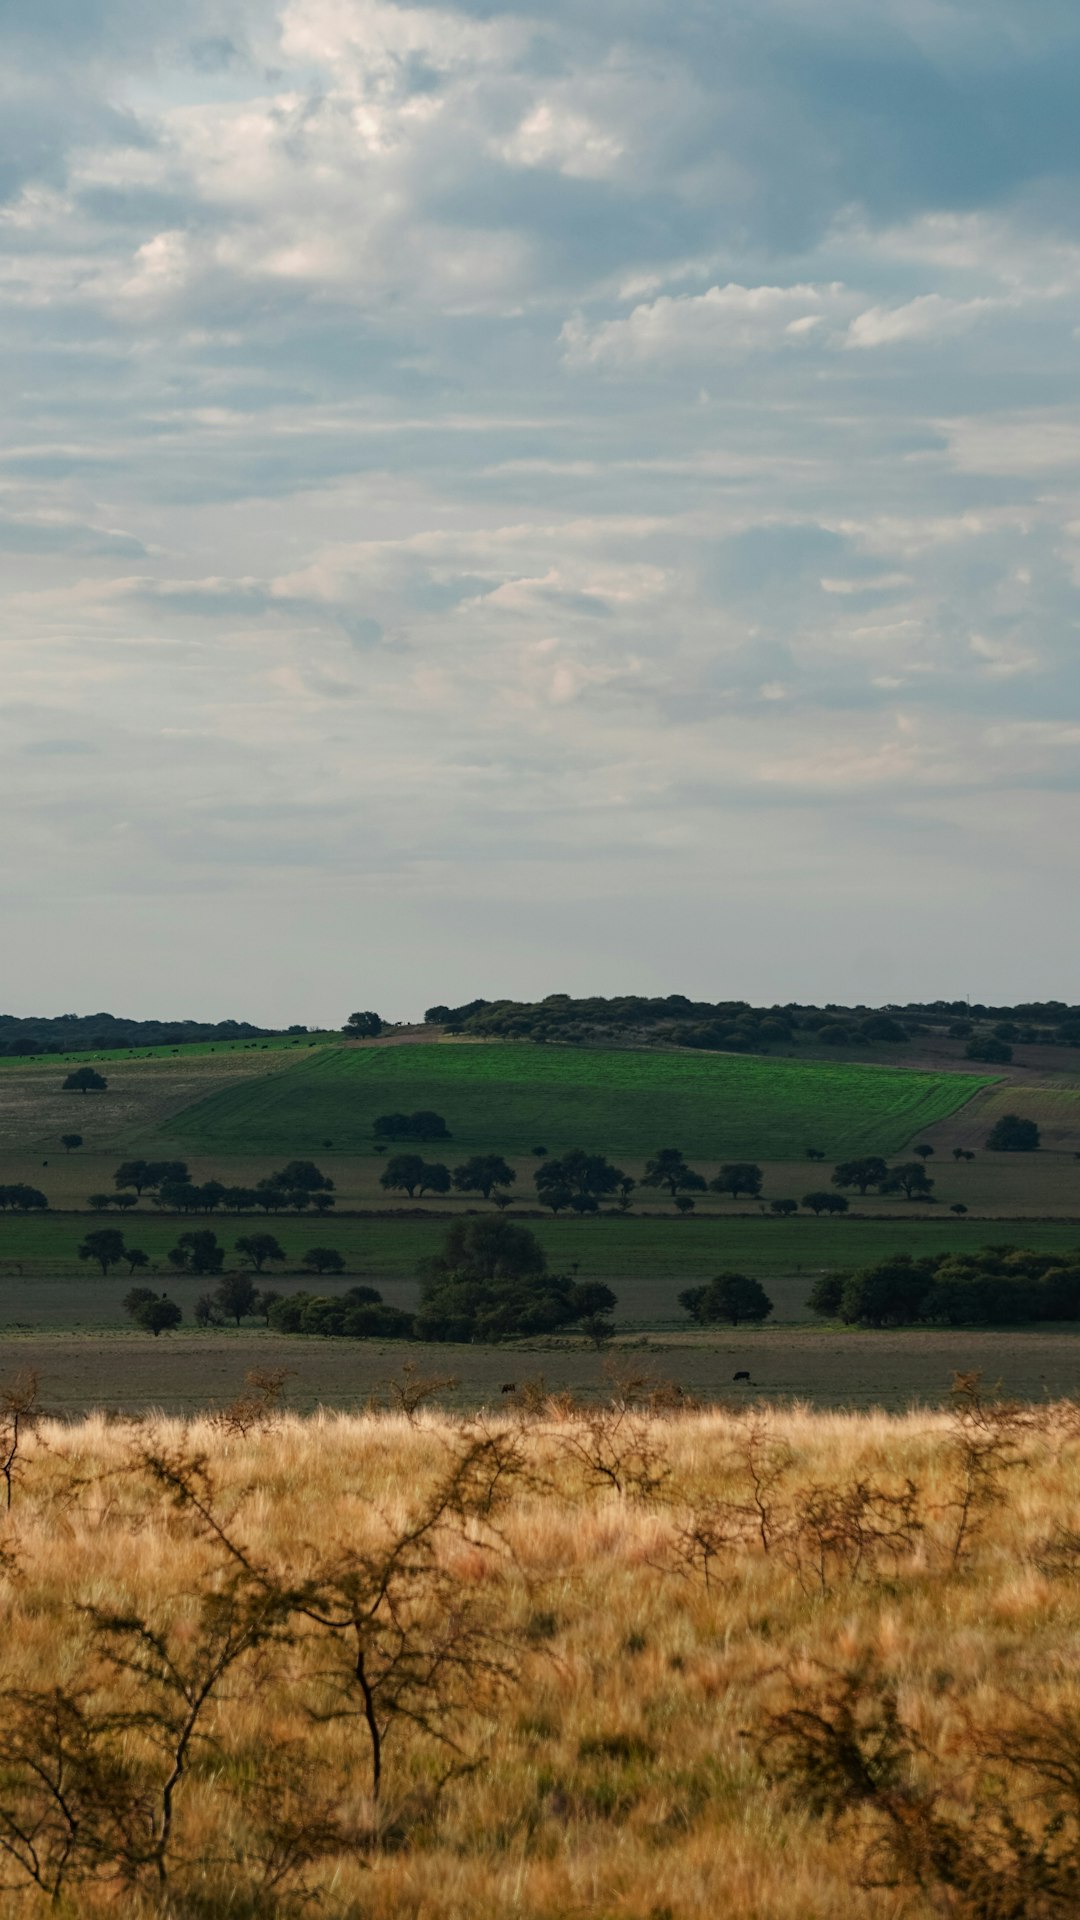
515, 1097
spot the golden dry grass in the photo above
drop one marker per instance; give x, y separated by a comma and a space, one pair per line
613, 1637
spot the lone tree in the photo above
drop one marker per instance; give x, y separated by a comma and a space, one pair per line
106, 1246
738, 1176
783, 1208
924, 1150
85, 1080
733, 1297
155, 1313
1011, 1134
236, 1294
323, 1260
70, 1140
259, 1248
483, 1173
912, 1180
669, 1169
868, 1172
363, 1026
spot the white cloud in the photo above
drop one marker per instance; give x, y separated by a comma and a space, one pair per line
929, 317
683, 327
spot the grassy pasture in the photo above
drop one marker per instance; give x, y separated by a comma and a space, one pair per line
186, 1372
606, 1248
514, 1097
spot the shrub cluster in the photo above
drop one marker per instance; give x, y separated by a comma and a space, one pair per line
997, 1285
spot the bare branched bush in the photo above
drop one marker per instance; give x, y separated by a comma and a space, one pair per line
18, 1408
846, 1532
257, 1407
847, 1751
985, 1444
410, 1390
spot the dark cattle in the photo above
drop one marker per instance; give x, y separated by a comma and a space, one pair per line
510, 1387
740, 1376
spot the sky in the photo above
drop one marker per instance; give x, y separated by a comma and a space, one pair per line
502, 499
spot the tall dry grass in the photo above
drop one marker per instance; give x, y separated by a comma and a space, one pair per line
633, 1661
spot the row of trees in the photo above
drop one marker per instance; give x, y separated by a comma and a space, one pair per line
200, 1252
578, 1181
299, 1186
490, 1282
996, 1285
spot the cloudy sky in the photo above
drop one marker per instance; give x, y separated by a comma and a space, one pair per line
517, 497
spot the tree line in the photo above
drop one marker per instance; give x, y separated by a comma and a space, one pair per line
995, 1285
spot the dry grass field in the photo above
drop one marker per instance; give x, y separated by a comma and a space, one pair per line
613, 1662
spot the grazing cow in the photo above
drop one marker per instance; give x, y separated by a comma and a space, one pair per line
510, 1387
740, 1376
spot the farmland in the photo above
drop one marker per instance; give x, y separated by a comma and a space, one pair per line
512, 1097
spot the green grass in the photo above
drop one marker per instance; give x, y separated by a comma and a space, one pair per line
612, 1247
514, 1097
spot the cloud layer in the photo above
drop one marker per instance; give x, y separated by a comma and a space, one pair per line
503, 497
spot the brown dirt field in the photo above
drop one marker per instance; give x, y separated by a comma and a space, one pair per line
35, 1111
182, 1373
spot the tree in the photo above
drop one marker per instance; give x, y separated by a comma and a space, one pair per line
205, 1310
825, 1202
124, 1202
669, 1169
925, 1151
323, 1260
997, 1052
488, 1249
137, 1297
259, 1248
579, 1172
483, 1173
303, 1175
236, 1294
135, 1257
363, 1026
738, 1176
1011, 1134
133, 1173
409, 1173
783, 1208
70, 1140
868, 1172
105, 1245
827, 1293
815, 1153
197, 1253
158, 1315
99, 1202
733, 1297
888, 1293
911, 1179
557, 1198
85, 1080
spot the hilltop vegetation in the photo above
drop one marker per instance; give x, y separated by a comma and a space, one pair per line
737, 1026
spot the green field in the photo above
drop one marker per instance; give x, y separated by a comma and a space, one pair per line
515, 1097
645, 1261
